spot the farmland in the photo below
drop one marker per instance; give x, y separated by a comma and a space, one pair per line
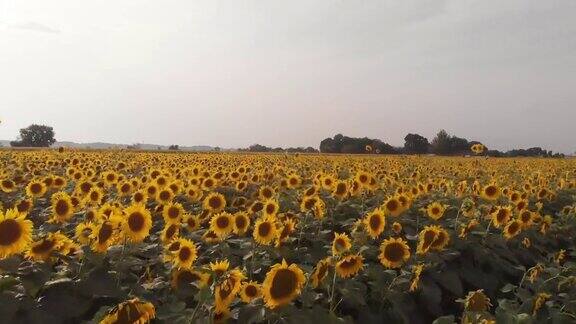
131, 237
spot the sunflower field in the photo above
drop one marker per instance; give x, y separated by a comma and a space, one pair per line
172, 237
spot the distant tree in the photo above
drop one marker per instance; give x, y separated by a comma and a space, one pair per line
174, 147
415, 143
35, 136
217, 149
441, 143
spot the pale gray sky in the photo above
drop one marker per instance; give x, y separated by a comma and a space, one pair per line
290, 73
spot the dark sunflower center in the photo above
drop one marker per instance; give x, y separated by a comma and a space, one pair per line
62, 207
222, 222
392, 205
251, 291
214, 202
490, 191
10, 232
283, 284
184, 253
270, 209
240, 222
187, 277
136, 221
36, 188
173, 212
348, 263
394, 252
340, 189
435, 211
105, 233
164, 195
171, 231
23, 206
375, 222
513, 228
264, 229
44, 247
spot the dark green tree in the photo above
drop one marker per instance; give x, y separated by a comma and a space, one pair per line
441, 144
35, 136
415, 143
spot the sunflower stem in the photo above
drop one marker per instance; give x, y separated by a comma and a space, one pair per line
121, 258
458, 214
488, 228
332, 291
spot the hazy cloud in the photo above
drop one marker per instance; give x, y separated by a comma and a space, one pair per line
34, 26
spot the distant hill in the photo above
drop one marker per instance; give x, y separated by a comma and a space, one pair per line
101, 145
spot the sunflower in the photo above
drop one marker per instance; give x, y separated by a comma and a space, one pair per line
340, 190
349, 265
540, 300
82, 232
394, 252
320, 272
185, 255
426, 238
397, 228
227, 288
24, 206
265, 230
173, 213
7, 185
417, 272
501, 216
282, 284
36, 188
214, 202
124, 189
184, 278
211, 237
293, 181
137, 222
375, 223
219, 268
131, 311
308, 202
222, 224
435, 210
341, 243
192, 222
170, 232
221, 316
477, 301
165, 196
266, 193
250, 291
288, 226
392, 206
512, 229
442, 239
103, 236
490, 192
526, 218
94, 196
15, 233
241, 223
271, 207
62, 207
42, 249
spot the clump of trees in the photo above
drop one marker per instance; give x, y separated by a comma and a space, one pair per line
174, 147
35, 136
442, 144
354, 145
262, 148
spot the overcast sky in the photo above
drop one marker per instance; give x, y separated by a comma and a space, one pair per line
290, 73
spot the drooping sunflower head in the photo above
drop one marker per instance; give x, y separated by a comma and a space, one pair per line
214, 202
24, 206
130, 311
183, 279
137, 222
104, 236
341, 243
526, 218
83, 231
170, 232
375, 223
512, 229
501, 216
15, 233
442, 239
426, 238
349, 265
222, 224
394, 252
42, 249
477, 301
321, 271
282, 284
